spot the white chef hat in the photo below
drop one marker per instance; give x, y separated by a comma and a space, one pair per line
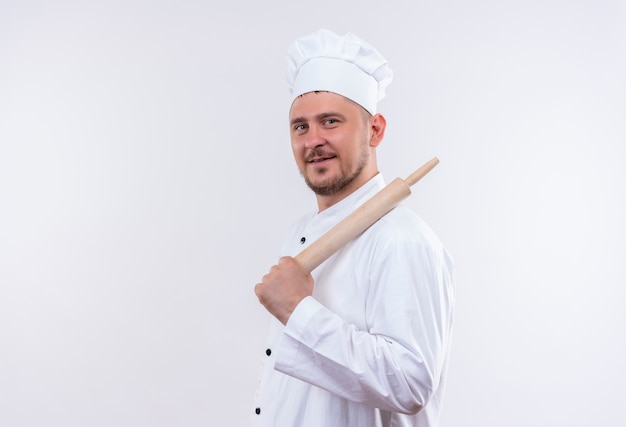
346, 65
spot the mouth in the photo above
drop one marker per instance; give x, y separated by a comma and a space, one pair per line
321, 159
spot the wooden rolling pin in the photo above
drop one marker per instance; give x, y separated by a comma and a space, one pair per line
359, 220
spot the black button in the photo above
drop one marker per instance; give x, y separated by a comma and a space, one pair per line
268, 351
303, 240
257, 411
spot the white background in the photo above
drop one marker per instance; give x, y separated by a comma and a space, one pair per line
146, 183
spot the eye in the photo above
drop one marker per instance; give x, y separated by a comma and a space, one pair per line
299, 127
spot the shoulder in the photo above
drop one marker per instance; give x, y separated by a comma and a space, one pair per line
404, 225
404, 231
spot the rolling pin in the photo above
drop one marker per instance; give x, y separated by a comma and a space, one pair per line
360, 220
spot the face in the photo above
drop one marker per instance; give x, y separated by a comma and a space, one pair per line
333, 141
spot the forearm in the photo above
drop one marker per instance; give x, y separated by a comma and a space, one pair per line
318, 347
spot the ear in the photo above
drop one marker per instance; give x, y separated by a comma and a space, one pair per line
377, 126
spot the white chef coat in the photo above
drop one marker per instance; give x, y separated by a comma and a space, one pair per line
370, 347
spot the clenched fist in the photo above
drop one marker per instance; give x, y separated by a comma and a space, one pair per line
282, 289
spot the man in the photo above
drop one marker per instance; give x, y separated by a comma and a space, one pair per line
363, 340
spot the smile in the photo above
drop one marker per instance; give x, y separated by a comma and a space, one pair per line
320, 159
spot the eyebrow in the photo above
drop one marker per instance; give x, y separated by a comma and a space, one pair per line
319, 117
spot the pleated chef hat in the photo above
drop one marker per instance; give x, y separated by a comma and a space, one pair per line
346, 65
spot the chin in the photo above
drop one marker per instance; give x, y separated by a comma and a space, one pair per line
320, 179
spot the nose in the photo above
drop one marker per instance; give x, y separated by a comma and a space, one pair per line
314, 138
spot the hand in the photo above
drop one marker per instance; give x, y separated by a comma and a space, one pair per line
282, 289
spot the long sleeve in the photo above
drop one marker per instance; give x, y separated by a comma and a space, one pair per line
393, 362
